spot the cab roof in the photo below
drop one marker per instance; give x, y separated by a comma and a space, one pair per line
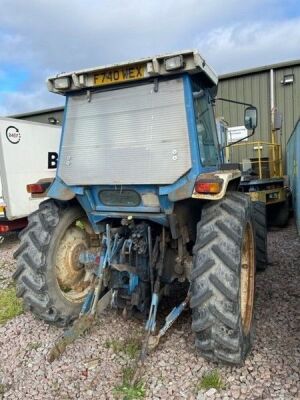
187, 61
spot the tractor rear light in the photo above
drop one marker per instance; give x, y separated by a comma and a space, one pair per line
39, 188
4, 228
35, 188
208, 187
14, 225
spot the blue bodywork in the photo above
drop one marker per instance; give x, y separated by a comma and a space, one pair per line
127, 251
168, 194
293, 170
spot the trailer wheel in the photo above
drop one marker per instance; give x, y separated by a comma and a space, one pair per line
222, 279
260, 226
49, 277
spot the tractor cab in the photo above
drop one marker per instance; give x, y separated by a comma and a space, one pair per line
136, 134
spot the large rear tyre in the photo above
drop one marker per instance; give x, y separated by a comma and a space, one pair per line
222, 280
260, 226
49, 277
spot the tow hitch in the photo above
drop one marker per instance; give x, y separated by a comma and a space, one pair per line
151, 341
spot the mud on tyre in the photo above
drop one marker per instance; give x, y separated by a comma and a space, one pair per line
222, 281
48, 276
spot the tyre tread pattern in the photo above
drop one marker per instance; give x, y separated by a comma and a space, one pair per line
31, 259
215, 279
260, 226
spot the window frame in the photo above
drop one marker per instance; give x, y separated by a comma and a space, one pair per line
196, 87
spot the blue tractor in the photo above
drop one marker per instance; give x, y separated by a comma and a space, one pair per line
142, 205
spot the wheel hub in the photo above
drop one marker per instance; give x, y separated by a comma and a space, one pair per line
247, 278
73, 279
73, 256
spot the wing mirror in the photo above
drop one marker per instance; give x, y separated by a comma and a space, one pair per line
250, 118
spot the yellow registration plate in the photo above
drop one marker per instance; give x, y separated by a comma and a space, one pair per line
119, 75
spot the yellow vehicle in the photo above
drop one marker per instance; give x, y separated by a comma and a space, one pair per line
262, 176
262, 179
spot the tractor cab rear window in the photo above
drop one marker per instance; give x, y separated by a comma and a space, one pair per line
135, 134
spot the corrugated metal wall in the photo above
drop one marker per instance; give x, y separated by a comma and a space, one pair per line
288, 99
254, 88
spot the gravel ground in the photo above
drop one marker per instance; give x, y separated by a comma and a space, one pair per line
7, 264
89, 369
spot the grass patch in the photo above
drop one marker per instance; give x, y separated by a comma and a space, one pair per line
126, 389
115, 345
130, 346
10, 305
3, 388
211, 380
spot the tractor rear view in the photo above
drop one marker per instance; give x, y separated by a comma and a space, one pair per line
141, 204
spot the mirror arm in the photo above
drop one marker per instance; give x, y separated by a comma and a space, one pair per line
233, 101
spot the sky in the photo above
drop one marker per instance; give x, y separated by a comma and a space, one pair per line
39, 38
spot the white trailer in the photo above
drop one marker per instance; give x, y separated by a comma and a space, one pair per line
28, 153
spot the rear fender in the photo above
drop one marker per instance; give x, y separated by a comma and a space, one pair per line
60, 191
228, 177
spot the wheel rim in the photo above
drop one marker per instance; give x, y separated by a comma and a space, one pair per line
72, 277
247, 278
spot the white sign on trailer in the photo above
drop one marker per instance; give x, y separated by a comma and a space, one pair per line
28, 153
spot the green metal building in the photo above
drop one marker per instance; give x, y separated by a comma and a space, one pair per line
270, 87
267, 87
